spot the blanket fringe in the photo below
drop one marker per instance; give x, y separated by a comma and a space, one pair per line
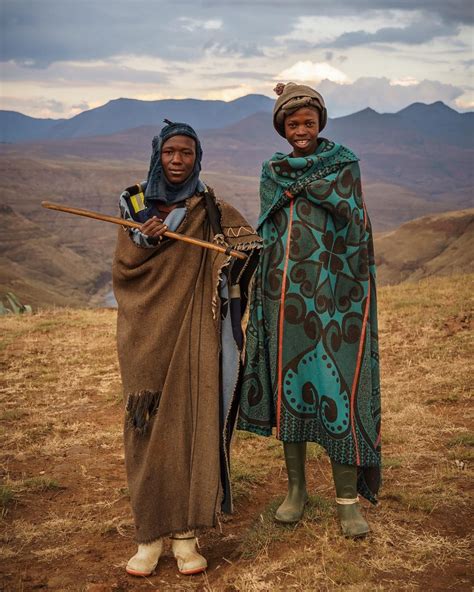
140, 408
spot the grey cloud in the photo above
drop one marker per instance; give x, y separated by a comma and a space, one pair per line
233, 49
385, 48
35, 106
380, 95
83, 106
414, 34
85, 76
300, 46
54, 106
458, 11
218, 87
37, 33
244, 75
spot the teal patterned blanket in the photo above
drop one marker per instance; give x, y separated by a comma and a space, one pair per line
312, 362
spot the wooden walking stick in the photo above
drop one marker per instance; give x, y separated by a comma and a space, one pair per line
114, 220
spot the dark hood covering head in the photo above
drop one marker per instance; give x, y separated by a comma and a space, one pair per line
158, 187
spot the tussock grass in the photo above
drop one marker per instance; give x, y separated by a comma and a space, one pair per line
12, 490
6, 496
318, 509
253, 458
244, 478
38, 484
12, 414
263, 533
464, 439
314, 451
391, 463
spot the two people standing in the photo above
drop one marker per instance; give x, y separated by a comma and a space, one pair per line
311, 360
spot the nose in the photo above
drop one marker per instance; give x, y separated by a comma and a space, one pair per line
176, 158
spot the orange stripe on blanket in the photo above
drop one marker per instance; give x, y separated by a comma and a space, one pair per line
355, 382
282, 319
377, 442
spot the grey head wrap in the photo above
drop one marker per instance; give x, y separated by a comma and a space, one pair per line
292, 97
158, 187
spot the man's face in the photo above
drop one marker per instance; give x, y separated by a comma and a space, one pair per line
178, 155
301, 131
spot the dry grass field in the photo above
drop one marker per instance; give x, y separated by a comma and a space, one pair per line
65, 517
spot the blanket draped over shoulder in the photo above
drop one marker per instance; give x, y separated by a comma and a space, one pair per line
312, 362
169, 344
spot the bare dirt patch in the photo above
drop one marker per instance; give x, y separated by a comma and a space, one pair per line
65, 518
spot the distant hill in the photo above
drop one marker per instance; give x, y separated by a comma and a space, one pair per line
439, 122
16, 127
40, 269
121, 114
434, 122
441, 244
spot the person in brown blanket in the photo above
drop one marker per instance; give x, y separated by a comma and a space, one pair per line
179, 338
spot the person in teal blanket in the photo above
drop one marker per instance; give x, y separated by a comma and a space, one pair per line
312, 363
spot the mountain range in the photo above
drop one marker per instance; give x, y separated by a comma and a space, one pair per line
410, 166
436, 121
121, 114
415, 163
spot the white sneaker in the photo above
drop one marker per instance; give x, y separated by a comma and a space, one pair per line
188, 559
145, 560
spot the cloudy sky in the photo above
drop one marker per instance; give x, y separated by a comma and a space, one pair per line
60, 57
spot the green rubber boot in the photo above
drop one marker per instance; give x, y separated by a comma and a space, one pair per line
353, 524
291, 510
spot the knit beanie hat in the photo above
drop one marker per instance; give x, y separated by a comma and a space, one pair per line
292, 97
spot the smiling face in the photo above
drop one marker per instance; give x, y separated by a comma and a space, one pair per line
301, 131
178, 155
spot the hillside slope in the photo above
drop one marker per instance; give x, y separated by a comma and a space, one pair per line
441, 244
16, 127
40, 269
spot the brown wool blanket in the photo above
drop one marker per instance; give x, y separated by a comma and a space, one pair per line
168, 337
